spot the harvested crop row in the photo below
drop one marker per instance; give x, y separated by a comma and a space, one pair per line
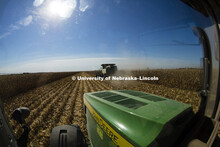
38, 102
77, 113
25, 99
46, 110
93, 84
54, 116
105, 87
61, 102
186, 79
11, 85
67, 114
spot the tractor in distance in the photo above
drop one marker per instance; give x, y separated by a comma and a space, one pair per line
107, 70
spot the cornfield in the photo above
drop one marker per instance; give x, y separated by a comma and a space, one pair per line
57, 102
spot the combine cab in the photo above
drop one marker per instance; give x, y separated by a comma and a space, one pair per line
107, 70
131, 118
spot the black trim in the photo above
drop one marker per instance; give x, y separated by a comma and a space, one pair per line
209, 8
214, 15
7, 136
175, 130
199, 128
207, 66
197, 5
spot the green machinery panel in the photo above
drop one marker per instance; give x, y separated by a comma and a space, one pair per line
128, 118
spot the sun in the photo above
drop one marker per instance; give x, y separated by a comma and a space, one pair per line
61, 8
54, 9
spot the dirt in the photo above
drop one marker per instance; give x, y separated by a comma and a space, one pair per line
61, 103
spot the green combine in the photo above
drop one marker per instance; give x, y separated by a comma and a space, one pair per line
131, 118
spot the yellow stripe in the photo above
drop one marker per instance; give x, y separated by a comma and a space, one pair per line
112, 134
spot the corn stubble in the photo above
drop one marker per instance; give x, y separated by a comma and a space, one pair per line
61, 102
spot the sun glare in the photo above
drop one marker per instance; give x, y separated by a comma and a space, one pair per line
53, 8
61, 8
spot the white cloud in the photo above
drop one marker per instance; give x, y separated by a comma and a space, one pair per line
5, 35
55, 65
13, 27
85, 64
26, 21
9, 32
83, 9
37, 3
85, 4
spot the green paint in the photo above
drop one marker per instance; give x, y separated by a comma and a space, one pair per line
138, 117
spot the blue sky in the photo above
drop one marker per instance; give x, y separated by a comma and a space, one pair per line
71, 35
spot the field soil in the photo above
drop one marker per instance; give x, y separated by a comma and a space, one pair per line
61, 102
